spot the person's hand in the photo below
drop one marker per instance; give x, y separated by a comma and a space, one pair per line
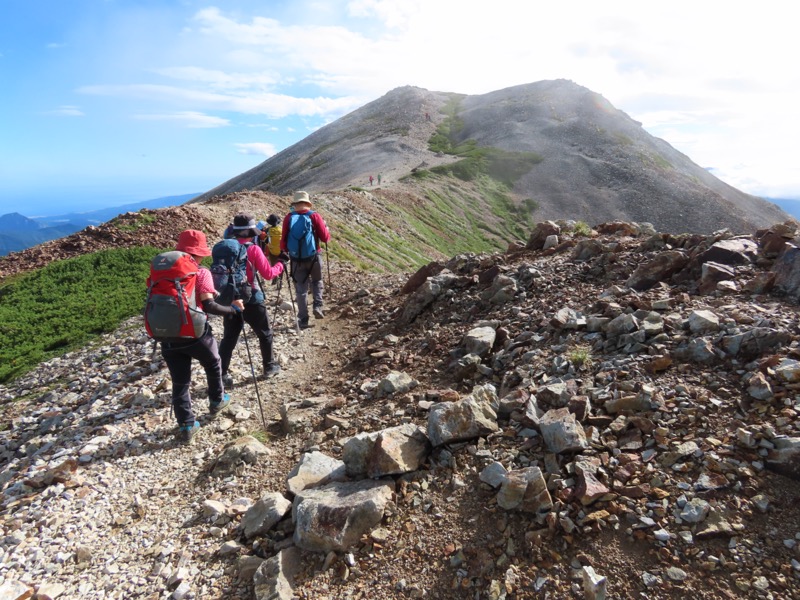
283, 257
237, 305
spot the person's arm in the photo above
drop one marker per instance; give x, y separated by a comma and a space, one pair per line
257, 260
212, 308
205, 294
320, 228
285, 233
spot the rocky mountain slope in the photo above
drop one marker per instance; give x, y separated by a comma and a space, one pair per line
378, 230
596, 163
616, 409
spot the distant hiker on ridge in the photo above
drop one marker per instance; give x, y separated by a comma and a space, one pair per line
183, 266
303, 230
254, 313
370, 179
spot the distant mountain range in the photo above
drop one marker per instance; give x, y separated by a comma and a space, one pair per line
18, 232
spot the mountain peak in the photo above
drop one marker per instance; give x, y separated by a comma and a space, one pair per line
595, 164
15, 221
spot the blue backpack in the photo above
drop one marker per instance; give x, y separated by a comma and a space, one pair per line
229, 271
300, 241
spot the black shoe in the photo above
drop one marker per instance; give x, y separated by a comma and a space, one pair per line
318, 314
271, 370
306, 325
227, 382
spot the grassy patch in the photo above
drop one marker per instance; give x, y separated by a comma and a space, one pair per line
261, 435
63, 305
140, 220
506, 167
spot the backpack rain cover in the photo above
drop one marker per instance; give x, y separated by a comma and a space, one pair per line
229, 271
171, 312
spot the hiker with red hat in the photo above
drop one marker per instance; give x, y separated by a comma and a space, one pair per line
179, 354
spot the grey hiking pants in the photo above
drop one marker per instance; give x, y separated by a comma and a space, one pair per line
305, 273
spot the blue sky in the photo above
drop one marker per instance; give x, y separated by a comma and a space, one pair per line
111, 101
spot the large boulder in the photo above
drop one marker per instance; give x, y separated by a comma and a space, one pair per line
335, 516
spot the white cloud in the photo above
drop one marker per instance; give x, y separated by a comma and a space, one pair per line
193, 120
66, 111
720, 86
257, 148
273, 105
219, 80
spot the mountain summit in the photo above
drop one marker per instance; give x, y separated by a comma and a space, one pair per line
562, 150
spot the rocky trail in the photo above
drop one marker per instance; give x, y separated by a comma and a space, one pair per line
585, 416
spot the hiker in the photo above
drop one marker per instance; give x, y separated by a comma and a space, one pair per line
273, 241
261, 228
178, 355
379, 178
370, 179
303, 230
254, 312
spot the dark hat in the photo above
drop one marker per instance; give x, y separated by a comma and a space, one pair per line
244, 226
273, 220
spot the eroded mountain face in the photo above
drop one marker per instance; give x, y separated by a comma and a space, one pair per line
597, 164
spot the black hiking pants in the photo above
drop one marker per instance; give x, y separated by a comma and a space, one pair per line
255, 315
178, 357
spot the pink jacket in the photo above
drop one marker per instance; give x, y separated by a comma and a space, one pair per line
257, 259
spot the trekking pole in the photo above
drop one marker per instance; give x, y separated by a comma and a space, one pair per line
277, 299
253, 372
294, 310
328, 262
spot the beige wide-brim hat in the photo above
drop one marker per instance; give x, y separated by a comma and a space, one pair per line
300, 197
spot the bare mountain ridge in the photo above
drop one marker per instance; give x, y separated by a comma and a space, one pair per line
598, 164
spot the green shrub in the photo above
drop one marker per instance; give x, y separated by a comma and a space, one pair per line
61, 306
261, 435
582, 229
580, 356
530, 205
418, 174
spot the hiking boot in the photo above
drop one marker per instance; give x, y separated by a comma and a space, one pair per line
318, 314
216, 407
186, 433
227, 382
271, 370
306, 325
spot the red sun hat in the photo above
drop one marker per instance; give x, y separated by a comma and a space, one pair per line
194, 242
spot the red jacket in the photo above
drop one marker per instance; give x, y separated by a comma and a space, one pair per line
321, 232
